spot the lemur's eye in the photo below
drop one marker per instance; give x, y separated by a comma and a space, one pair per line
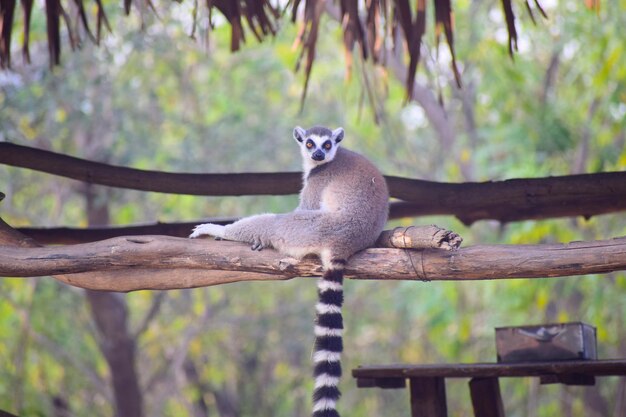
309, 145
327, 145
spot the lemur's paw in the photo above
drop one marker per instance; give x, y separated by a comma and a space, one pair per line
208, 229
257, 245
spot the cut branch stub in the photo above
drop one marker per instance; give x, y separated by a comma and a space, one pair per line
419, 237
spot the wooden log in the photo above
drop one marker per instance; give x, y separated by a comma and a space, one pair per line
513, 199
604, 367
127, 280
428, 397
384, 383
509, 200
569, 379
132, 279
260, 183
74, 235
159, 279
486, 397
419, 237
143, 255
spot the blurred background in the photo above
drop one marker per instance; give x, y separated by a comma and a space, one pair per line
151, 97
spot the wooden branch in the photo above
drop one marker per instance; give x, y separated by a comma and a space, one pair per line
137, 179
515, 199
602, 367
159, 262
510, 200
412, 237
71, 236
419, 237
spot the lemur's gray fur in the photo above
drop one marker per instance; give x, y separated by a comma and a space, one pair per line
343, 209
343, 205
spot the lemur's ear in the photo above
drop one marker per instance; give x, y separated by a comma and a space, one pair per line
337, 135
299, 134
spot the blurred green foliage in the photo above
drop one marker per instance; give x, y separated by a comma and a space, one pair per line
154, 99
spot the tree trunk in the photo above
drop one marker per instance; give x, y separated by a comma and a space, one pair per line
110, 313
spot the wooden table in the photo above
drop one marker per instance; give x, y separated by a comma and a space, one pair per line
427, 382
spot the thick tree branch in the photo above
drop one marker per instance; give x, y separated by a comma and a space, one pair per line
510, 200
71, 236
410, 237
159, 262
137, 179
515, 199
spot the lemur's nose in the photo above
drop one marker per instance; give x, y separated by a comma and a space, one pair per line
318, 155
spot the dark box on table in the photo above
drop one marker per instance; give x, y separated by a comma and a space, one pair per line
546, 342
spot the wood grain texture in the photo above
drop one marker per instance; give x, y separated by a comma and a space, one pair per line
167, 263
486, 397
419, 237
145, 180
608, 367
509, 200
428, 397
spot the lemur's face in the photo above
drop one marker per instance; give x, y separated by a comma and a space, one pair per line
318, 145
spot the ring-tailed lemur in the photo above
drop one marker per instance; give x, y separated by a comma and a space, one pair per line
343, 209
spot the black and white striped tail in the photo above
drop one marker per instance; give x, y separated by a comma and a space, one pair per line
328, 340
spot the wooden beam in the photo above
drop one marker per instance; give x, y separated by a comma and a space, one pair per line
147, 278
132, 279
428, 397
603, 367
167, 263
486, 397
510, 200
144, 180
74, 235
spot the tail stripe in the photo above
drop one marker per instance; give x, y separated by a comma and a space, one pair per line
332, 321
327, 308
326, 356
325, 380
334, 275
324, 405
329, 368
325, 331
330, 412
331, 343
327, 394
328, 340
324, 285
331, 297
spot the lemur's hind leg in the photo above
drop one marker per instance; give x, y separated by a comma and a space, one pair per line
256, 230
284, 232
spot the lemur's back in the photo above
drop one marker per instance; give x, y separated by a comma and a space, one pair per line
354, 192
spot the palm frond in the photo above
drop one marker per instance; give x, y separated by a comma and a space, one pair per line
368, 26
7, 9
